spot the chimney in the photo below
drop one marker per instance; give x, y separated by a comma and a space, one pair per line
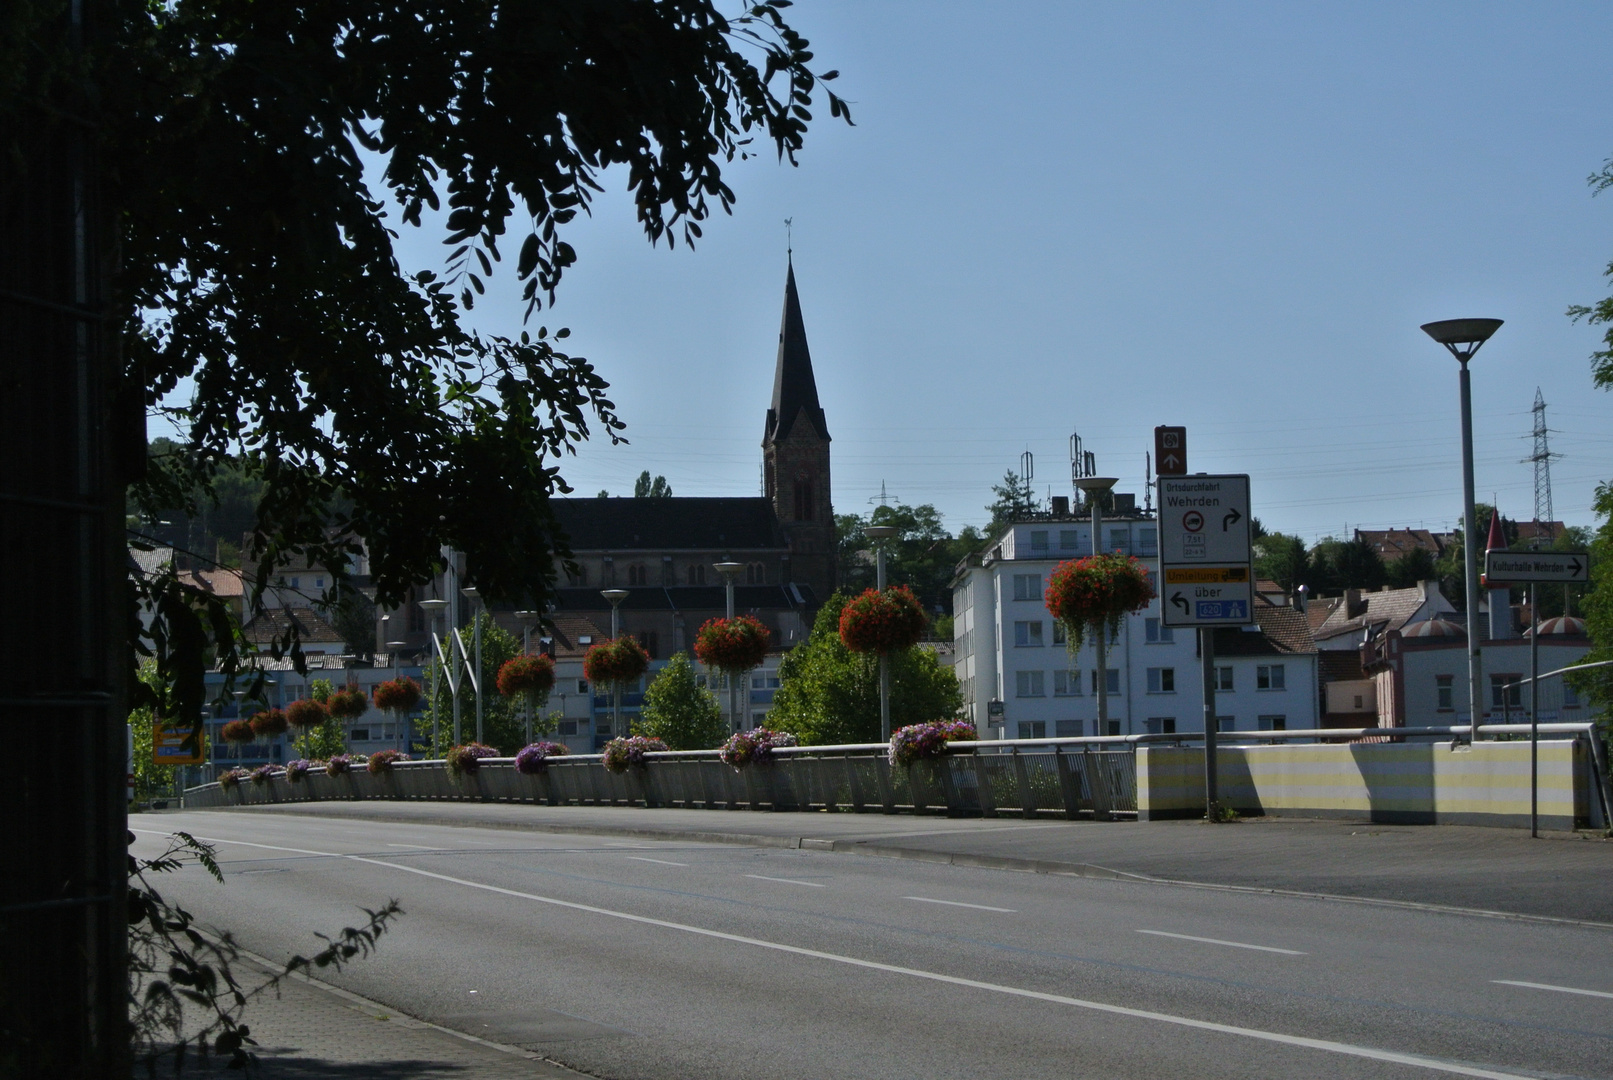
1302, 596
1061, 506
1353, 604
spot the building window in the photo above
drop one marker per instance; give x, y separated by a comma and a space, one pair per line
1032, 729
577, 575
636, 575
1066, 684
1028, 587
1028, 635
1061, 636
1161, 680
803, 498
1067, 729
1029, 684
1226, 723
755, 574
1038, 539
1270, 677
1069, 539
1161, 725
651, 643
582, 686
1120, 540
1223, 678
1444, 687
1114, 680
1274, 723
1506, 691
1157, 633
697, 573
1147, 540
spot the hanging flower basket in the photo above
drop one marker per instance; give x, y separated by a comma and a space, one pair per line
466, 759
883, 622
380, 763
732, 645
1096, 593
297, 771
620, 753
526, 675
268, 724
348, 704
400, 694
339, 765
238, 731
920, 742
534, 759
620, 661
306, 713
754, 747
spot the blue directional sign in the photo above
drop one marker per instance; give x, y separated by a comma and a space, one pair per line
1223, 610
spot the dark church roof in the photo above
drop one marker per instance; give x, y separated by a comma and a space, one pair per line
669, 524
794, 388
700, 598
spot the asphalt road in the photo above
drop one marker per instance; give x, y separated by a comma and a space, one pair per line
658, 960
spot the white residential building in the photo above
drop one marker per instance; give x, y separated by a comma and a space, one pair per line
1019, 679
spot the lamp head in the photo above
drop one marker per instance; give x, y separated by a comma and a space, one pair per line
615, 596
1090, 484
432, 607
880, 532
728, 567
1462, 336
470, 591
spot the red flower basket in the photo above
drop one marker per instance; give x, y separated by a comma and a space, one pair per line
238, 731
348, 704
883, 622
268, 724
306, 713
736, 644
619, 661
1096, 593
526, 675
400, 694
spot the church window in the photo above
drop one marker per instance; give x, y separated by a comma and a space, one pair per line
697, 573
577, 576
755, 574
636, 575
803, 498
669, 575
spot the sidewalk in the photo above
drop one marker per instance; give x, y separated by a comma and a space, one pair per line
1502, 871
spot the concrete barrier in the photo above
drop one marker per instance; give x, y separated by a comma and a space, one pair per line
1411, 783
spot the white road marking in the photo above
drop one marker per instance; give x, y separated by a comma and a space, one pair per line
1229, 944
417, 847
960, 903
645, 858
1368, 1053
1559, 989
785, 880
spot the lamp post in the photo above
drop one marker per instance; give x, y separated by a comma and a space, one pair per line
434, 609
729, 570
615, 596
404, 732
476, 636
1463, 338
879, 534
1095, 487
527, 619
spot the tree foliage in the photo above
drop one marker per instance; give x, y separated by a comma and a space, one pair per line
1408, 569
1597, 685
1282, 558
503, 719
645, 488
922, 556
1014, 499
828, 694
679, 711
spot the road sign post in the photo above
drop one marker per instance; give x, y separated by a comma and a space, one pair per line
168, 745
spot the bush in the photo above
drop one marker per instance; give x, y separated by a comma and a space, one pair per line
883, 622
526, 675
620, 661
468, 758
732, 645
380, 763
339, 765
679, 711
919, 742
306, 713
297, 771
533, 759
238, 731
621, 753
754, 746
269, 723
348, 704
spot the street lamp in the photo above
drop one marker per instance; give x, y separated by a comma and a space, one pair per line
394, 647
1094, 488
729, 571
879, 533
527, 619
434, 609
471, 592
615, 596
1463, 338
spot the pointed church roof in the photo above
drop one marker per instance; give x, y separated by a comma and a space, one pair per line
794, 388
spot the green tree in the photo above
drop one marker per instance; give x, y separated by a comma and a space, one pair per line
645, 488
1597, 684
679, 711
1452, 565
1410, 568
150, 779
1281, 558
1358, 566
503, 721
1014, 499
828, 694
922, 556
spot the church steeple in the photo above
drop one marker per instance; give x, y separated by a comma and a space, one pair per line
795, 390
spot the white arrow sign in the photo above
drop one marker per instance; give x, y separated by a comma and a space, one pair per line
1506, 567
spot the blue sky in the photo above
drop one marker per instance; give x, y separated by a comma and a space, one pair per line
1057, 218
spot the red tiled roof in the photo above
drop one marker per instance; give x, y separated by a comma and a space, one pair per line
1390, 544
275, 622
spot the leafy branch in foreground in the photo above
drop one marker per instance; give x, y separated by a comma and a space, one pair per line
177, 970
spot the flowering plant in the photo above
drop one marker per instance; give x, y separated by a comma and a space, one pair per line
468, 758
534, 759
380, 763
1095, 593
238, 731
731, 645
232, 779
306, 713
401, 694
620, 753
264, 773
883, 622
756, 745
339, 765
347, 704
622, 660
918, 742
269, 723
297, 771
526, 675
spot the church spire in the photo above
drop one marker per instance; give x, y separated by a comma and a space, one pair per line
795, 390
